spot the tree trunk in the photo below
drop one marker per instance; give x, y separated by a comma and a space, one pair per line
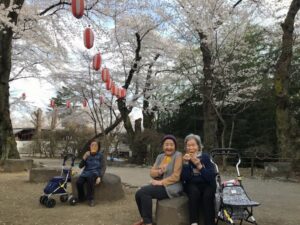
209, 114
282, 82
39, 113
148, 115
231, 132
124, 110
139, 147
8, 146
125, 116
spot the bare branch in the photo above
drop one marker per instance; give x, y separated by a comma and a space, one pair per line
54, 6
17, 76
63, 3
237, 3
137, 59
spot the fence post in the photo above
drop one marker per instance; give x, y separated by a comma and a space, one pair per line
252, 165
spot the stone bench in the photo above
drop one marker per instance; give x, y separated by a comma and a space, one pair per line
16, 165
110, 188
43, 174
174, 212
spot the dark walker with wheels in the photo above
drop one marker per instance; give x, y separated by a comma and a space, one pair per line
57, 186
232, 202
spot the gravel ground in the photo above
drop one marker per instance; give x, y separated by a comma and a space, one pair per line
280, 201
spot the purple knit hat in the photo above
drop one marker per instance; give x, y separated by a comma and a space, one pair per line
171, 137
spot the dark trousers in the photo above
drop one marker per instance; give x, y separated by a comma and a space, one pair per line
143, 198
90, 183
201, 195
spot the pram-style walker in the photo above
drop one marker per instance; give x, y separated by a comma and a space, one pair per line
232, 202
57, 186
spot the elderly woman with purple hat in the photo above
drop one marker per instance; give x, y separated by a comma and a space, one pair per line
166, 183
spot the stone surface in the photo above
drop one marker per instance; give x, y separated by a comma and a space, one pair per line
173, 212
110, 188
16, 165
43, 174
277, 169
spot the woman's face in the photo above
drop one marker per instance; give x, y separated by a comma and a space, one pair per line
94, 147
192, 146
169, 147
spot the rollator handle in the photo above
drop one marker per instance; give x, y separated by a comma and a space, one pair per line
225, 151
69, 156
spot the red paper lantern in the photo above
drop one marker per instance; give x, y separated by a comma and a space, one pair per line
101, 100
88, 37
68, 104
123, 93
23, 96
118, 92
108, 84
84, 103
52, 103
97, 62
78, 8
113, 89
105, 74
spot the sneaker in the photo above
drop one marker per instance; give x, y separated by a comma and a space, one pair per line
91, 203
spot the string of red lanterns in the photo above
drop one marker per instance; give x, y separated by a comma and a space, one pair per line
105, 74
97, 61
52, 103
88, 38
77, 7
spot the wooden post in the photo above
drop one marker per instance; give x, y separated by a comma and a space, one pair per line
252, 165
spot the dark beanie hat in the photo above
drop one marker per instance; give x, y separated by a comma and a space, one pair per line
169, 136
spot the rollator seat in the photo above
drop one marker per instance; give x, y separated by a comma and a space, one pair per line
236, 196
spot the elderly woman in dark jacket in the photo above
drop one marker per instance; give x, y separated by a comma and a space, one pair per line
198, 176
94, 169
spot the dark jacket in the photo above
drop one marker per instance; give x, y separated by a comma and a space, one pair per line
190, 174
94, 165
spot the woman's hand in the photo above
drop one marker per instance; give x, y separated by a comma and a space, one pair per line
187, 157
98, 180
86, 155
156, 182
160, 171
163, 169
196, 162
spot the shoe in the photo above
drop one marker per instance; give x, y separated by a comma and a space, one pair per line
91, 203
139, 223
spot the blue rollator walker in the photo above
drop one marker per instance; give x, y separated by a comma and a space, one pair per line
57, 186
232, 202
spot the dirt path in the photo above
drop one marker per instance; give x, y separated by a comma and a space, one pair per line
280, 201
19, 202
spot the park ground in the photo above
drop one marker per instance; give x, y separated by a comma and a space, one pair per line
19, 201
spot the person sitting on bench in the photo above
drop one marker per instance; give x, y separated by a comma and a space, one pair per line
94, 169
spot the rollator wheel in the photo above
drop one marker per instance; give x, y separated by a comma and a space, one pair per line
43, 199
64, 198
72, 200
50, 203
